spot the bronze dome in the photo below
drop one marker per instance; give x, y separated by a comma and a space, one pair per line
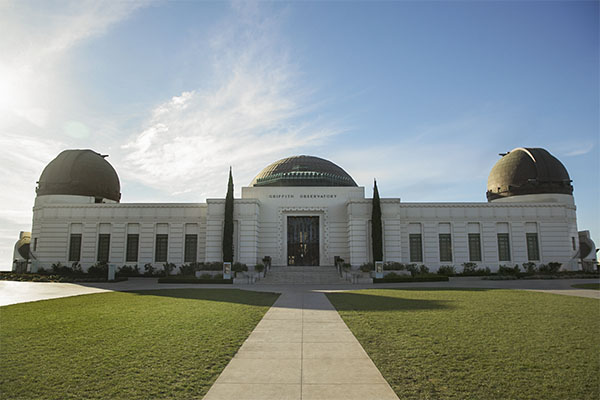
80, 173
303, 171
528, 171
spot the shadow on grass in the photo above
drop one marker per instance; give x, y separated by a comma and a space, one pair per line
368, 302
236, 296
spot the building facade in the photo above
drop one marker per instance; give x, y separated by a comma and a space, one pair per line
305, 210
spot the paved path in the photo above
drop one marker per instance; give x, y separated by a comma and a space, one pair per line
301, 349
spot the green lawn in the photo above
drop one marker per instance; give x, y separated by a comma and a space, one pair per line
594, 286
478, 344
145, 345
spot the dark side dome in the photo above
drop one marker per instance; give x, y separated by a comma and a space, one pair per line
80, 173
528, 171
303, 171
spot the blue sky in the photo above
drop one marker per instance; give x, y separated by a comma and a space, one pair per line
420, 95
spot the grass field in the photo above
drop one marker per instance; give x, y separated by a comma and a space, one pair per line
478, 344
145, 345
593, 286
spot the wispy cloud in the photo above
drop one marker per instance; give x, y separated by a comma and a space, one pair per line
426, 163
254, 113
35, 37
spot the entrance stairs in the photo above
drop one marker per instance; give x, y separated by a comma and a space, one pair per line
302, 275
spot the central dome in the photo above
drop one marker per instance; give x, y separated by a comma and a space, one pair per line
303, 171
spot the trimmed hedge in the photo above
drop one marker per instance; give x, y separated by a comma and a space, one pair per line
188, 279
423, 278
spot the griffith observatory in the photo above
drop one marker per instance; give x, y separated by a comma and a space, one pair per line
304, 210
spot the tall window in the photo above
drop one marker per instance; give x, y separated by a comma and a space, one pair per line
533, 249
191, 248
503, 247
160, 251
474, 247
75, 247
445, 247
103, 247
416, 247
133, 242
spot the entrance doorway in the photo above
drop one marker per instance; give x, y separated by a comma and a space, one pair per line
303, 240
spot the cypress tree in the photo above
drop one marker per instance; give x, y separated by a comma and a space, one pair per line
376, 229
228, 227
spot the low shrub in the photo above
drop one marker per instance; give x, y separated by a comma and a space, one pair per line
210, 266
259, 268
76, 269
550, 268
446, 270
62, 270
239, 267
394, 266
423, 270
168, 268
128, 270
149, 269
529, 268
188, 269
504, 270
346, 266
412, 268
469, 267
367, 267
98, 269
9, 276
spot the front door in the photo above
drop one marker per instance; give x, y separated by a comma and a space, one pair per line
303, 240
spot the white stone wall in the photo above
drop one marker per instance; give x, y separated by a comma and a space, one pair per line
555, 224
260, 227
53, 222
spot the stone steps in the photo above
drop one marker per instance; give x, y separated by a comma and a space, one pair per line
302, 275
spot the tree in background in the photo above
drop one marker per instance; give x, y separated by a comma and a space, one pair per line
228, 228
376, 230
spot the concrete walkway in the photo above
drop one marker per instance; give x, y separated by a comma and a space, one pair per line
301, 349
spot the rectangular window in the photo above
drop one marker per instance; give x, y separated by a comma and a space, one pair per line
133, 242
416, 247
191, 248
503, 247
160, 251
75, 247
103, 247
445, 247
35, 244
474, 247
572, 242
533, 249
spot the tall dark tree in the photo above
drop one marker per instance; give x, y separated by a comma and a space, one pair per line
376, 229
228, 228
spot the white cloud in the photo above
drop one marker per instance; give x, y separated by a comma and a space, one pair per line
252, 114
35, 37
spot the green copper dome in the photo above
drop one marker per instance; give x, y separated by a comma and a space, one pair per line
303, 171
528, 171
80, 173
